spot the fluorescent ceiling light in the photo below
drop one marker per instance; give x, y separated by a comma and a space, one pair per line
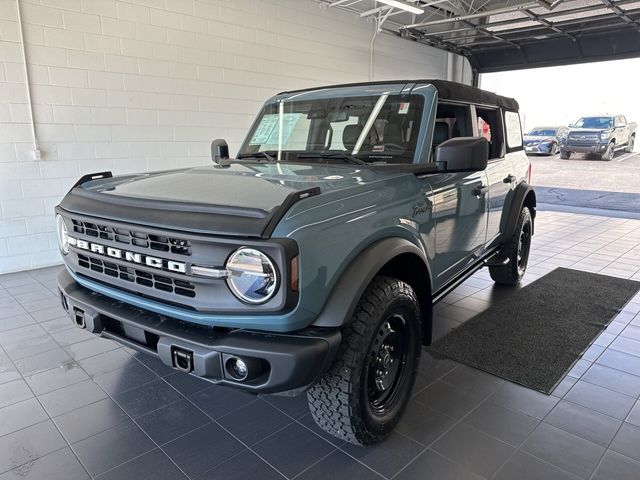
402, 6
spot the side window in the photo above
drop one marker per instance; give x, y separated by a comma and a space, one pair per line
514, 130
452, 121
490, 126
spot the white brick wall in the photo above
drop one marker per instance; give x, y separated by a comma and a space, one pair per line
138, 85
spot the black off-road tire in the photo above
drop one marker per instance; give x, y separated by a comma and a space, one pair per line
629, 147
340, 402
518, 254
609, 153
564, 154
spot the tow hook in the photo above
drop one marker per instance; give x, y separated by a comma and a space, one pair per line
78, 317
182, 360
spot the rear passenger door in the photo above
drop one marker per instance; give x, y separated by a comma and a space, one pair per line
622, 130
499, 169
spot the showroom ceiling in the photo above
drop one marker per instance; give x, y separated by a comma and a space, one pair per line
499, 35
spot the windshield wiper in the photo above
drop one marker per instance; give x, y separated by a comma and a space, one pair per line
338, 156
261, 154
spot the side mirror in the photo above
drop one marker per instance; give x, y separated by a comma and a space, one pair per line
463, 154
219, 151
571, 125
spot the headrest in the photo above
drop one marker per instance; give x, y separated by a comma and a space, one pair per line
393, 134
350, 136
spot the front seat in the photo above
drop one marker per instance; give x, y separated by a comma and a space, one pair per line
392, 134
350, 136
440, 135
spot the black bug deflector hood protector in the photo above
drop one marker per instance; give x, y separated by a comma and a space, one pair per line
242, 199
236, 201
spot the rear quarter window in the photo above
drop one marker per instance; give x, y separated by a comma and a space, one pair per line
514, 130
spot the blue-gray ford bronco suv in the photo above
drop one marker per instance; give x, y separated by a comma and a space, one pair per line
311, 262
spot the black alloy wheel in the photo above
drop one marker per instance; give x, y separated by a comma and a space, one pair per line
517, 249
631, 144
387, 361
524, 247
610, 153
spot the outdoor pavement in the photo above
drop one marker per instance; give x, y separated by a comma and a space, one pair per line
586, 172
73, 406
586, 182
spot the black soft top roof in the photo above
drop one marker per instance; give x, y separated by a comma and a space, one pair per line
446, 90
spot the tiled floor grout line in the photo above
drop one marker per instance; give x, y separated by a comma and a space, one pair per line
247, 447
519, 450
136, 424
459, 421
622, 422
53, 423
43, 407
108, 396
316, 463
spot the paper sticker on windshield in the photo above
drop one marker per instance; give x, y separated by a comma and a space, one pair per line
268, 131
265, 130
404, 108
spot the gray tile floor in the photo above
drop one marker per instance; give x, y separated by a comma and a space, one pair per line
73, 406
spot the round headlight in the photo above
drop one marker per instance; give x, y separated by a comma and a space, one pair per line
63, 237
253, 277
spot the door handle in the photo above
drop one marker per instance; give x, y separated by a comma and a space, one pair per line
509, 179
480, 190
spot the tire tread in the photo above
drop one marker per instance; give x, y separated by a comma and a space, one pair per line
333, 400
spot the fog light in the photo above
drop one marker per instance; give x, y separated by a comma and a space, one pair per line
237, 368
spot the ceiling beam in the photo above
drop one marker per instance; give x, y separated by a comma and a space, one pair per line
486, 13
621, 13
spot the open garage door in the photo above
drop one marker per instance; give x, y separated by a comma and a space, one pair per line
500, 35
503, 35
571, 168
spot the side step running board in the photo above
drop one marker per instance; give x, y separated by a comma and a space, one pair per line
497, 260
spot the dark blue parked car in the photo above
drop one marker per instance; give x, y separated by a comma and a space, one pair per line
543, 140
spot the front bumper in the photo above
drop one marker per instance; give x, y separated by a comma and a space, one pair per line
598, 148
277, 362
538, 148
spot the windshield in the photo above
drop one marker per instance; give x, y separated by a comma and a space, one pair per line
594, 122
542, 132
372, 129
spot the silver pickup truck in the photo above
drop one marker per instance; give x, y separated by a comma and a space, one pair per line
602, 135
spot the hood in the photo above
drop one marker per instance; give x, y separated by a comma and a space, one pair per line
241, 199
538, 138
588, 130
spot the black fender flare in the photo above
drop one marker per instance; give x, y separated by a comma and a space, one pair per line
517, 201
346, 293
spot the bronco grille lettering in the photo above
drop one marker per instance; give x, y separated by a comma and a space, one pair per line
132, 257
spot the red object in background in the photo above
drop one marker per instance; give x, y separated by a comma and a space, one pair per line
484, 129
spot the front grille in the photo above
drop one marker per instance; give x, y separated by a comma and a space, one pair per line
128, 236
584, 137
140, 277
